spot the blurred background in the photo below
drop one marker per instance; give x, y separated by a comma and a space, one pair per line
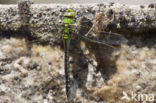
84, 1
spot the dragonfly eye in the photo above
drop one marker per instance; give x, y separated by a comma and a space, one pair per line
70, 13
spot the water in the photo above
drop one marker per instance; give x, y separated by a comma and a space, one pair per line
83, 1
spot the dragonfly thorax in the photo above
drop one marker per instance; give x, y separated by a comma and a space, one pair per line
69, 17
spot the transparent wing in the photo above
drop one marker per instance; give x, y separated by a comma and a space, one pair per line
97, 32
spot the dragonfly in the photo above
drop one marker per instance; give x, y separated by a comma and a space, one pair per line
96, 33
68, 19
68, 23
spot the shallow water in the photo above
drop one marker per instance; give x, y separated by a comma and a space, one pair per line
84, 1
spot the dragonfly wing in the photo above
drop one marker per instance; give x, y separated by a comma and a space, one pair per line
116, 40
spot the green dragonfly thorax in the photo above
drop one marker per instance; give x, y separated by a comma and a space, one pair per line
69, 17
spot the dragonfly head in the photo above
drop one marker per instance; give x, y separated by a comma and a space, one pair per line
70, 13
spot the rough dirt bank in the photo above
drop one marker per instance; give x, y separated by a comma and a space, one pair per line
44, 19
33, 72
